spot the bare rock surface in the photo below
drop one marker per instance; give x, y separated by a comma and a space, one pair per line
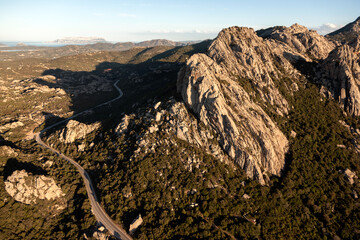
305, 41
97, 232
239, 54
165, 126
350, 176
76, 130
348, 33
210, 88
7, 151
27, 188
339, 73
11, 125
123, 125
135, 224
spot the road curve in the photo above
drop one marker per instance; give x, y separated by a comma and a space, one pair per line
97, 210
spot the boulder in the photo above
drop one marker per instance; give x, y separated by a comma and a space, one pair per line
75, 130
135, 224
27, 188
123, 125
350, 176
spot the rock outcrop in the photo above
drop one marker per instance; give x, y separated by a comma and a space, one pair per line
75, 130
350, 176
7, 151
304, 41
348, 33
188, 129
166, 124
27, 188
123, 125
135, 224
231, 87
11, 126
97, 232
216, 88
339, 73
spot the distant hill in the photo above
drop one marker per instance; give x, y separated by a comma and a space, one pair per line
159, 42
347, 33
102, 44
127, 45
122, 46
79, 40
74, 49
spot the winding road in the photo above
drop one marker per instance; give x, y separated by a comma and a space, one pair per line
100, 214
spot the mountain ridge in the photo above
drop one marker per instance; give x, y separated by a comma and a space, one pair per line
219, 85
348, 33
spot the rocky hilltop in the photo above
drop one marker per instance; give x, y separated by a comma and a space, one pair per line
348, 33
216, 87
307, 42
246, 76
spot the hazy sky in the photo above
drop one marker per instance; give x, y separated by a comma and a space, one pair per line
137, 20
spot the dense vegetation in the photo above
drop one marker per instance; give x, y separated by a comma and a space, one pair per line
21, 221
25, 221
312, 200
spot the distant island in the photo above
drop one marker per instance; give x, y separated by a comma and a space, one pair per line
80, 40
3, 45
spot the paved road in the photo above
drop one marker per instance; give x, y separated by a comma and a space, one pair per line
97, 210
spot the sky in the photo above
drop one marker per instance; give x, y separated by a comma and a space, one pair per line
138, 20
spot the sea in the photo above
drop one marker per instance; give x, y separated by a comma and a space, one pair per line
37, 44
43, 44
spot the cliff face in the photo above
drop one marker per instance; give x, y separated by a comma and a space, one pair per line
216, 87
340, 76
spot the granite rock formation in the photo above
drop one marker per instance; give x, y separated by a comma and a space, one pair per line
76, 130
27, 188
339, 73
213, 86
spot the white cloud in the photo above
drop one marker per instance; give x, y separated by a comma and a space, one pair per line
126, 15
326, 28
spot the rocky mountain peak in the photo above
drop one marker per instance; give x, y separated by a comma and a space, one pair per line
304, 41
220, 88
297, 28
229, 86
244, 32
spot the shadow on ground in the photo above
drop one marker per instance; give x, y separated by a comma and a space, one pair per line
150, 75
